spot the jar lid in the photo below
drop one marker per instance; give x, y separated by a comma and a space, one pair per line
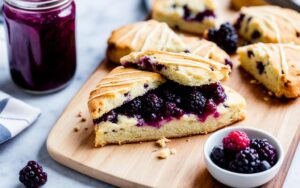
37, 4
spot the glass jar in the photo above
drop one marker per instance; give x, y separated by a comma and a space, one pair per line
41, 43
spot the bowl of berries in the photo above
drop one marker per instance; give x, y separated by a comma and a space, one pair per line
243, 157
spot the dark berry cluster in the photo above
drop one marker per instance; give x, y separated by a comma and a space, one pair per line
240, 154
32, 175
170, 100
225, 37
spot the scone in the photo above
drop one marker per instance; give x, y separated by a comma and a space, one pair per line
237, 4
183, 68
131, 105
269, 24
274, 65
141, 36
194, 16
206, 49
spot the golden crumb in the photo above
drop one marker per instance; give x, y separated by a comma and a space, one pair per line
173, 151
266, 98
253, 82
83, 120
76, 129
164, 153
270, 93
187, 140
162, 142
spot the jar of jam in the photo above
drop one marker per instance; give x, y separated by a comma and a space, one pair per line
41, 43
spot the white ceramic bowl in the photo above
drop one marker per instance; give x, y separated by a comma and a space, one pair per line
237, 179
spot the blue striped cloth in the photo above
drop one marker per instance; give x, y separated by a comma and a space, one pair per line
15, 116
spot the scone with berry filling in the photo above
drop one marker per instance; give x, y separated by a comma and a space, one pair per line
131, 105
206, 49
183, 68
269, 24
194, 16
274, 65
141, 36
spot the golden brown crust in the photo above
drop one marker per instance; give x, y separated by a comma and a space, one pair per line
120, 85
275, 24
183, 68
285, 67
141, 36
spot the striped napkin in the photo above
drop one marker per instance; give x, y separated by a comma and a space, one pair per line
15, 116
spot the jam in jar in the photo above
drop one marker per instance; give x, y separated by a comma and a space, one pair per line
41, 43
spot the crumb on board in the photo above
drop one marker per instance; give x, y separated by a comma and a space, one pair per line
173, 151
162, 142
187, 140
270, 93
77, 128
266, 98
83, 120
164, 153
86, 128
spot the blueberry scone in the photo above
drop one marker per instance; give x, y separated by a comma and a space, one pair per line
183, 68
206, 49
141, 36
274, 65
269, 24
131, 105
194, 16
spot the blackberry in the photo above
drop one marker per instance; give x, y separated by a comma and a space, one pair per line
111, 116
32, 175
246, 161
135, 106
171, 110
265, 150
263, 166
218, 156
216, 92
152, 103
171, 96
226, 37
196, 101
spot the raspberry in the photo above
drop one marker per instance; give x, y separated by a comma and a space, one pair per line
246, 161
226, 37
236, 141
32, 175
265, 150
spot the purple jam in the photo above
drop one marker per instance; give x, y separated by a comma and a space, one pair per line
146, 63
199, 17
170, 101
41, 45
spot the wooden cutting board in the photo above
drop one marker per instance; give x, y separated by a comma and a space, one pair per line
136, 165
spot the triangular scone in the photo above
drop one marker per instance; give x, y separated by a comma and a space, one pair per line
194, 16
269, 24
119, 86
277, 66
170, 110
141, 36
184, 68
206, 49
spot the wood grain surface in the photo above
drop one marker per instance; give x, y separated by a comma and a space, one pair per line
136, 165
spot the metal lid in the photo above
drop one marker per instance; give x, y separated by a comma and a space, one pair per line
37, 4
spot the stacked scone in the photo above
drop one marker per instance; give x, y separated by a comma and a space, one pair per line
274, 61
163, 94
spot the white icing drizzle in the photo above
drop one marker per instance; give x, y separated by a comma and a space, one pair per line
200, 47
127, 34
149, 37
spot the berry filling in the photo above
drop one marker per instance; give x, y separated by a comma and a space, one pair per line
170, 101
146, 63
198, 17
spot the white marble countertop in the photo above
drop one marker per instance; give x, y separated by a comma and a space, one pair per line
95, 21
